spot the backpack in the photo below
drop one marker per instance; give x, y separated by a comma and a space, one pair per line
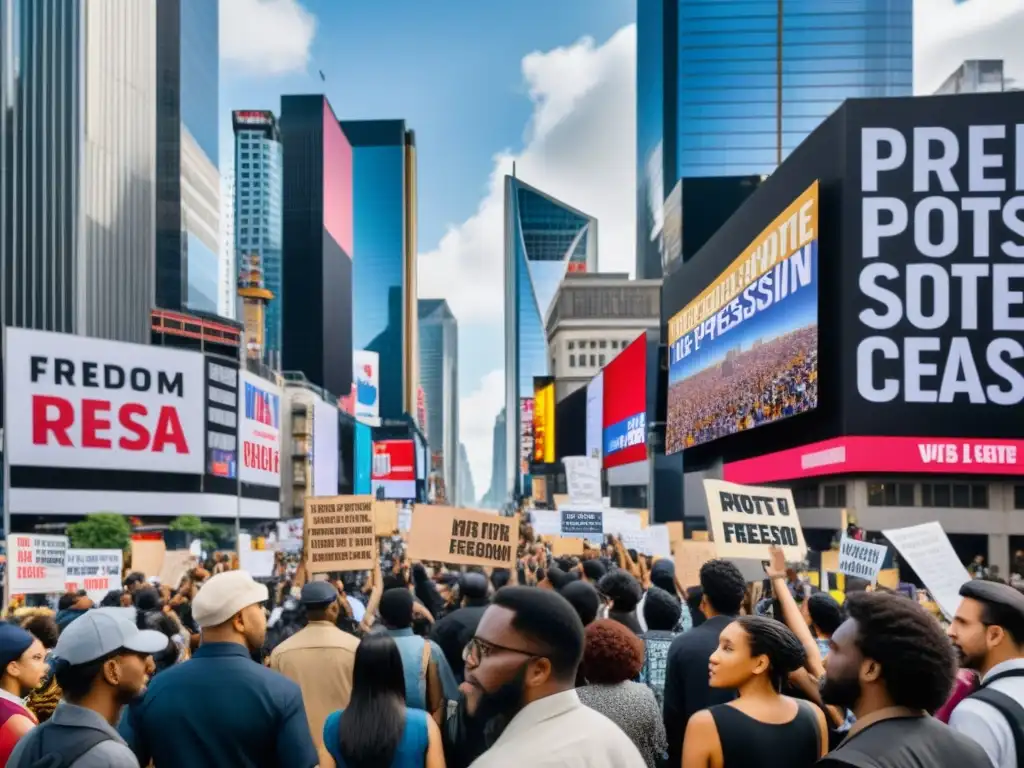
1011, 711
59, 746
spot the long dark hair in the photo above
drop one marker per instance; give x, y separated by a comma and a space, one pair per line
775, 640
373, 722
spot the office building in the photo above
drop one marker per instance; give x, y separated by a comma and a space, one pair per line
316, 316
593, 317
258, 224
729, 90
975, 76
498, 494
384, 311
77, 195
466, 496
545, 240
187, 165
227, 279
439, 377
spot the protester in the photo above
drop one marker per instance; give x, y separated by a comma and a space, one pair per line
592, 570
102, 664
520, 673
134, 581
892, 666
376, 728
453, 631
988, 635
235, 712
661, 615
755, 656
584, 599
623, 592
824, 616
22, 669
319, 658
686, 679
71, 606
612, 658
663, 576
43, 699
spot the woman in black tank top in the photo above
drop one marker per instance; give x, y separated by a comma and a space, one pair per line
762, 728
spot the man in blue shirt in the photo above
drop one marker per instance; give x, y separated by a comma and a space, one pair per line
222, 708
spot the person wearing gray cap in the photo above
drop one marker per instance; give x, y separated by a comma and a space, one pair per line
988, 634
102, 662
458, 627
319, 657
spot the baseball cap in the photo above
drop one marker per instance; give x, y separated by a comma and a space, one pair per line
318, 593
99, 633
224, 595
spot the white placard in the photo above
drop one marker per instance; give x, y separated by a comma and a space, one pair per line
547, 522
36, 564
97, 571
927, 550
861, 559
583, 479
652, 540
745, 520
620, 521
404, 518
258, 562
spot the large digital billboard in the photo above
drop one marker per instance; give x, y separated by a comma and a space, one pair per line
525, 435
595, 415
366, 371
543, 419
624, 420
325, 449
744, 352
393, 473
260, 431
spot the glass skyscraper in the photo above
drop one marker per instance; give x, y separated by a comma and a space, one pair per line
544, 239
731, 88
257, 219
439, 377
188, 179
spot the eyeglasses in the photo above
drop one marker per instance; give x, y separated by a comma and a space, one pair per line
476, 650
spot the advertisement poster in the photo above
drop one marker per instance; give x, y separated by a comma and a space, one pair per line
543, 420
85, 403
744, 353
595, 416
97, 571
463, 537
525, 434
394, 469
366, 367
363, 459
325, 449
624, 430
746, 520
221, 419
36, 564
260, 431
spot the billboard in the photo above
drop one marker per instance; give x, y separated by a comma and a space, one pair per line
624, 414
744, 352
366, 370
394, 469
525, 434
85, 403
222, 423
260, 431
595, 415
324, 458
363, 439
543, 419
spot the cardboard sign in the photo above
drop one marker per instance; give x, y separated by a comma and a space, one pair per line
746, 520
927, 550
689, 556
386, 516
676, 532
36, 564
463, 537
565, 546
177, 562
340, 533
580, 521
97, 571
583, 479
861, 559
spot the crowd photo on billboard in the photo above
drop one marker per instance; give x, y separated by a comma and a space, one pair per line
744, 353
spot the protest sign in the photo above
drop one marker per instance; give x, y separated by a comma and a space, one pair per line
36, 564
746, 520
583, 479
566, 546
385, 515
148, 556
177, 562
340, 534
676, 532
404, 518
97, 571
463, 537
689, 556
581, 521
861, 559
546, 522
648, 541
622, 520
927, 550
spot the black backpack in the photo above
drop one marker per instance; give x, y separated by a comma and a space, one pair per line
58, 746
1011, 711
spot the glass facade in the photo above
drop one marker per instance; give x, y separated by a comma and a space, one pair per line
439, 377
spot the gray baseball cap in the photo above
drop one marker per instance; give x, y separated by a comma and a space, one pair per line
99, 633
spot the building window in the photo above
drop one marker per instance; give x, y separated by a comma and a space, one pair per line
572, 360
890, 494
593, 345
593, 363
835, 496
959, 495
1018, 497
245, 165
572, 345
603, 343
600, 358
805, 496
615, 344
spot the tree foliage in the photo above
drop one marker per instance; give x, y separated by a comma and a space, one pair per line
102, 530
209, 534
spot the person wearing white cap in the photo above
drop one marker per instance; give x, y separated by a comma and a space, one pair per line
102, 663
221, 708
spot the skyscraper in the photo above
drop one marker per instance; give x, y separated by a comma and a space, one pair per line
384, 310
187, 167
439, 377
544, 240
466, 496
77, 155
316, 307
497, 494
228, 274
727, 89
258, 223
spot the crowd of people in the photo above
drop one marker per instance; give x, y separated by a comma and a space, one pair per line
771, 380
603, 661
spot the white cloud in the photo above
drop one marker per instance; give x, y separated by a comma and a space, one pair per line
946, 34
477, 412
266, 37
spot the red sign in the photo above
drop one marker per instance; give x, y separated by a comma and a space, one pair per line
845, 455
53, 423
624, 426
394, 460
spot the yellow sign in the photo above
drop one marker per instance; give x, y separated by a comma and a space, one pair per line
544, 424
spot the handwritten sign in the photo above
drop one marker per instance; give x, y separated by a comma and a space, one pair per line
340, 533
583, 479
463, 537
746, 520
37, 563
927, 550
689, 556
860, 558
578, 521
97, 571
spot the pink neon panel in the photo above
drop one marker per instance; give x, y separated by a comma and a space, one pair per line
337, 182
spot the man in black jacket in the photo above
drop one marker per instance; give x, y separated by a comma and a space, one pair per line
457, 628
686, 680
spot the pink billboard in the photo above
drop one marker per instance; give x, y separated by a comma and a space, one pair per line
337, 182
912, 455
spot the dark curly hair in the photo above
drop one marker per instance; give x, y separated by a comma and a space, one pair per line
612, 653
723, 585
918, 662
622, 588
775, 640
826, 612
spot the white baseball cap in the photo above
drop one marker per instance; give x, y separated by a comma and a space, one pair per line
224, 595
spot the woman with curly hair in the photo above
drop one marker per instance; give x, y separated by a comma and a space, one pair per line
762, 727
612, 658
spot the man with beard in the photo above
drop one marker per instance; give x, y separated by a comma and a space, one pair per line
519, 687
890, 664
988, 634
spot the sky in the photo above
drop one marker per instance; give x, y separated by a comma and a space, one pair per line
484, 83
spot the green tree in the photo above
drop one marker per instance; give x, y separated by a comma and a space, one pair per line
102, 530
209, 534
